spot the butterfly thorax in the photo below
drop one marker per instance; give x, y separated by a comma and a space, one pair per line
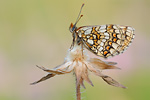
75, 35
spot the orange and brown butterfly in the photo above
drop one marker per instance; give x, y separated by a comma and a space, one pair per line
103, 40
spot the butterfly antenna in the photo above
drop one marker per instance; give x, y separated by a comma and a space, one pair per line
79, 16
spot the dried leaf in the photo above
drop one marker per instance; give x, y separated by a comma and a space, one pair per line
44, 78
78, 72
50, 71
94, 70
82, 83
110, 63
112, 82
85, 75
63, 66
95, 62
71, 67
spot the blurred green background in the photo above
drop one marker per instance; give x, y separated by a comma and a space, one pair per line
35, 32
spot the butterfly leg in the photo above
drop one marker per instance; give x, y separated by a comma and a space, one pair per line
72, 45
82, 49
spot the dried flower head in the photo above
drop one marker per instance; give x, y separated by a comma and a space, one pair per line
80, 63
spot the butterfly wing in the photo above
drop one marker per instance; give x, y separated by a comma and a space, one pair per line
106, 40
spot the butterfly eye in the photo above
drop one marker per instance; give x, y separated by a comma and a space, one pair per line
71, 28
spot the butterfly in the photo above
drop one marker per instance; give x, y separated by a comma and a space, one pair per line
103, 40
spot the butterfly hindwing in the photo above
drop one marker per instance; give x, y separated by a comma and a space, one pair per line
106, 40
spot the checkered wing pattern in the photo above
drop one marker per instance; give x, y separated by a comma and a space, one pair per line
106, 40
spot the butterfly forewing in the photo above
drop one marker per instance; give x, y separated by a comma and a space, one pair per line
106, 40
